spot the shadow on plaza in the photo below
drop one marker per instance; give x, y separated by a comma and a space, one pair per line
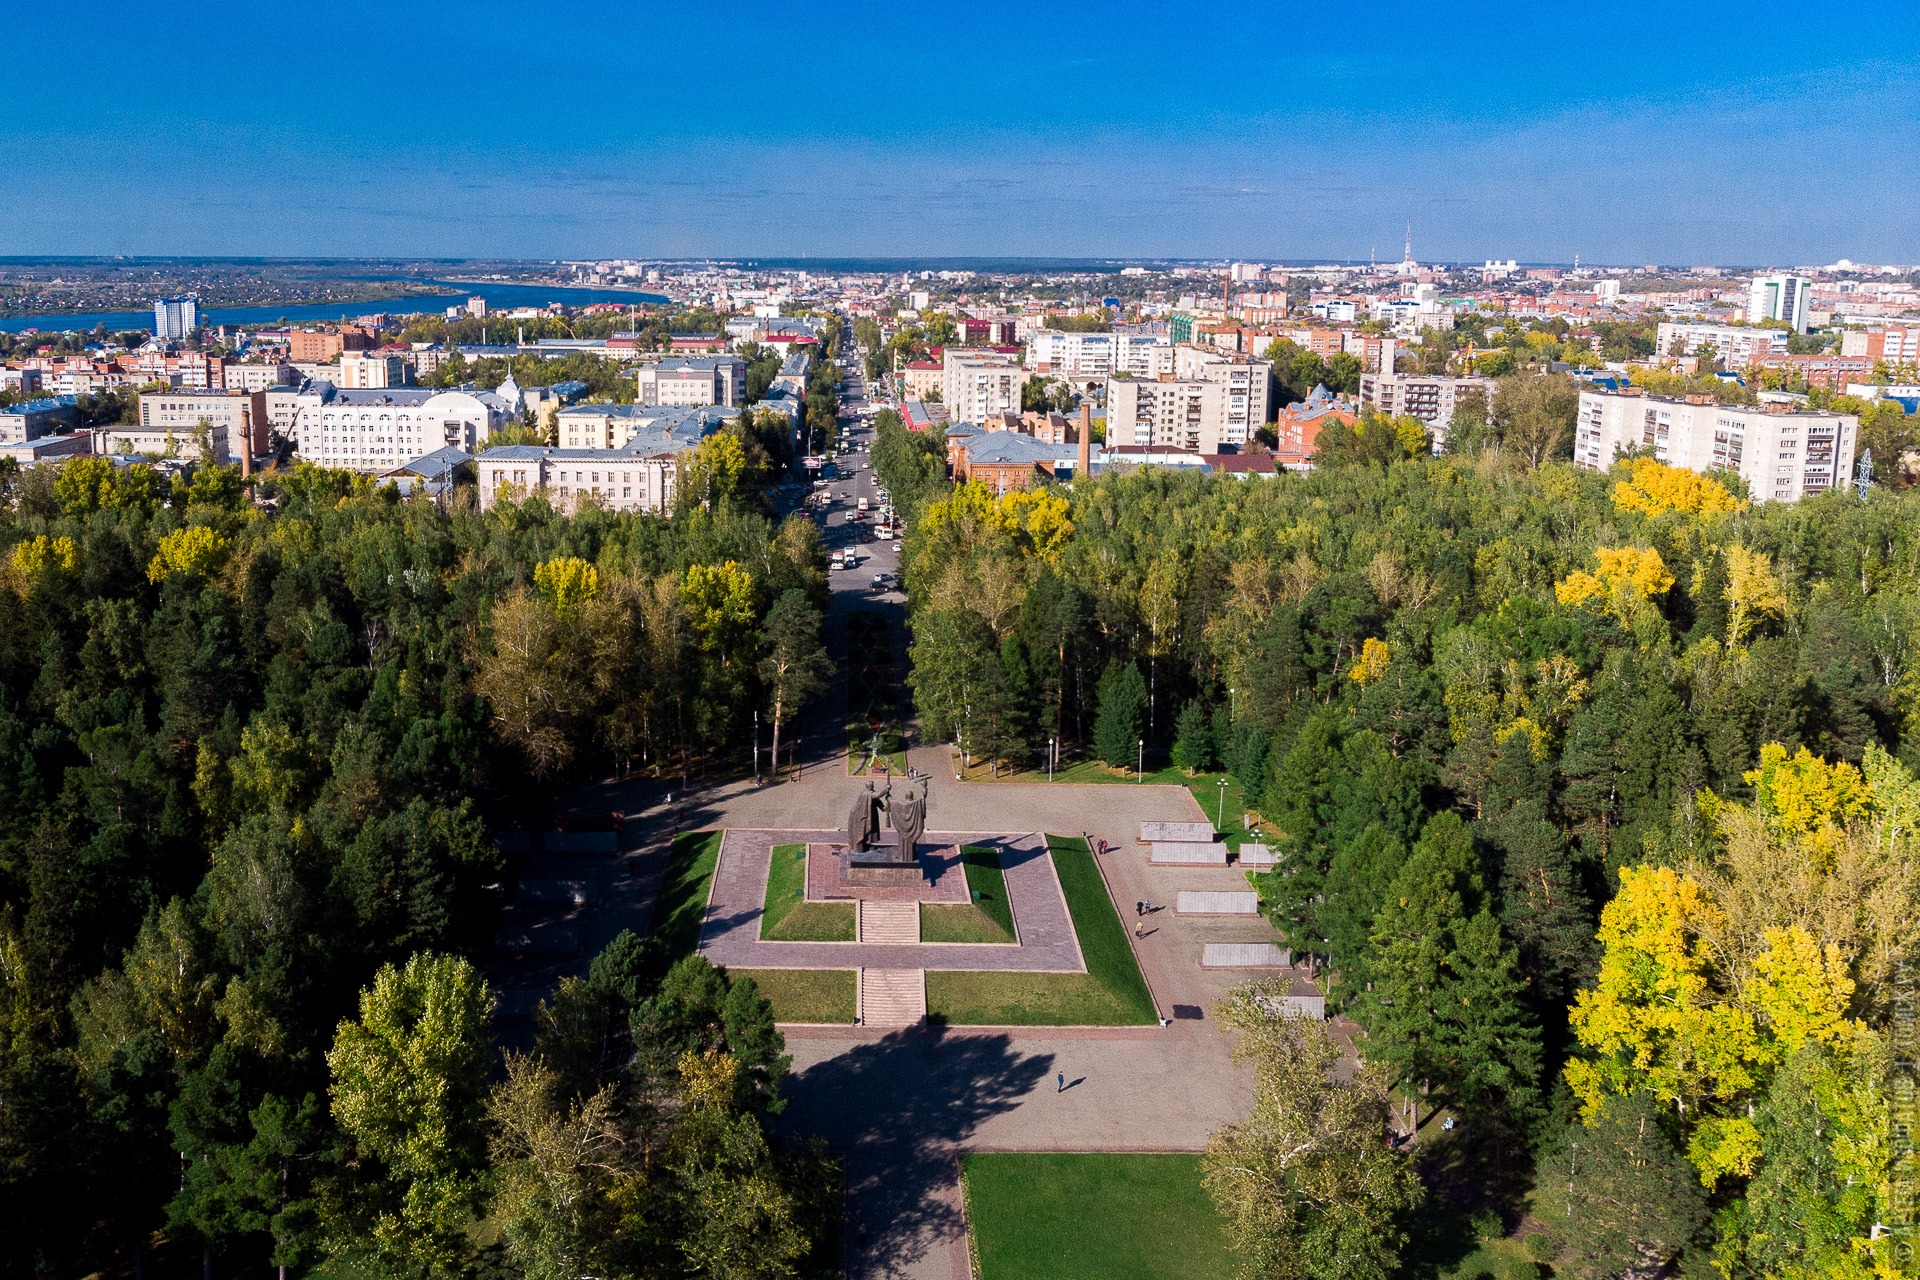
899, 1110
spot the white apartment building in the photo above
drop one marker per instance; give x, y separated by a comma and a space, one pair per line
1781, 453
1780, 297
688, 381
169, 420
381, 429
1212, 402
1093, 356
611, 426
975, 385
1430, 399
1734, 346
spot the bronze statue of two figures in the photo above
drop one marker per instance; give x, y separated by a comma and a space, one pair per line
905, 812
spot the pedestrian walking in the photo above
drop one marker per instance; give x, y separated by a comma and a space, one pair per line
1060, 1082
1139, 909
1139, 925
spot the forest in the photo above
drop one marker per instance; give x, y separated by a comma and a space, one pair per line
256, 746
1593, 796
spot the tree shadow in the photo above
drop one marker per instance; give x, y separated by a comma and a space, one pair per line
900, 1110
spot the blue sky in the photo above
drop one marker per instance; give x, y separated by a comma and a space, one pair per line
1750, 133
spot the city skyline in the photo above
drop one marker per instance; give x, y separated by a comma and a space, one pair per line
460, 131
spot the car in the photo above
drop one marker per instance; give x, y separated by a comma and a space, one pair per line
896, 548
882, 579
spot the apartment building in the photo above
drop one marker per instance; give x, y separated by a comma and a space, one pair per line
373, 371
977, 384
310, 346
921, 378
1783, 454
1212, 402
1733, 346
175, 318
1432, 399
638, 475
258, 377
1895, 344
1093, 356
20, 423
236, 420
380, 430
1780, 297
688, 381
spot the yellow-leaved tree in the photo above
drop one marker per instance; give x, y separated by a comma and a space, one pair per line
1653, 489
195, 551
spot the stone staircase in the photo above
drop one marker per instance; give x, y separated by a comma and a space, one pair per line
893, 997
889, 922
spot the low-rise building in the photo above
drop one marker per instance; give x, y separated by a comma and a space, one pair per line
692, 380
922, 380
258, 377
169, 420
374, 370
1783, 453
381, 429
1895, 344
34, 419
1296, 428
638, 475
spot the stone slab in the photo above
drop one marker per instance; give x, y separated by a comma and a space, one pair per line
1244, 955
1255, 856
1187, 853
1205, 902
1159, 832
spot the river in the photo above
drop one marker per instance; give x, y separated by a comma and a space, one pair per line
500, 297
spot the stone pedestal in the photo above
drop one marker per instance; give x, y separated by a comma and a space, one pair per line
884, 864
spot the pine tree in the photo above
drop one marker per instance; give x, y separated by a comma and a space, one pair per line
1625, 1199
1119, 724
1193, 742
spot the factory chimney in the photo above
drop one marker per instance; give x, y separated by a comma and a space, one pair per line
1084, 467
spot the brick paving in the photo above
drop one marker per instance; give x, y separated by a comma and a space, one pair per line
730, 932
826, 881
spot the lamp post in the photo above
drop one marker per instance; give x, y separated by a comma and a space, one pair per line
1140, 768
1233, 703
1222, 820
756, 746
1050, 758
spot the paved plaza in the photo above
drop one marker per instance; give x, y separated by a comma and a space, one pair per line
730, 934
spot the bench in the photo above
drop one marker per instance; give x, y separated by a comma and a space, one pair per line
1244, 955
1187, 853
1205, 902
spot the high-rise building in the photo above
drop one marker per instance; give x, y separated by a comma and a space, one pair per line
1780, 297
1211, 402
175, 318
977, 384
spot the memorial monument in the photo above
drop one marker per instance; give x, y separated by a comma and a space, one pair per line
869, 861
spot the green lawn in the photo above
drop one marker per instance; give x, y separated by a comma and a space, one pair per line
789, 917
805, 995
988, 918
1110, 993
683, 892
1093, 1217
1204, 786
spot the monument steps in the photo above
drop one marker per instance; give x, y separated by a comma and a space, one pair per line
889, 922
893, 997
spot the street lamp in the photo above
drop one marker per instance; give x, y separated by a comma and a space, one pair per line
1050, 758
1140, 769
1222, 822
1233, 703
756, 746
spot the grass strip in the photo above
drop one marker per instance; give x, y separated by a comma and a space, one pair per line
682, 903
1093, 1216
988, 917
788, 916
805, 995
1110, 993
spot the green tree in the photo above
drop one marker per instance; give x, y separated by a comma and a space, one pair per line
408, 1091
1193, 741
1619, 1192
795, 667
1307, 1184
1121, 719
